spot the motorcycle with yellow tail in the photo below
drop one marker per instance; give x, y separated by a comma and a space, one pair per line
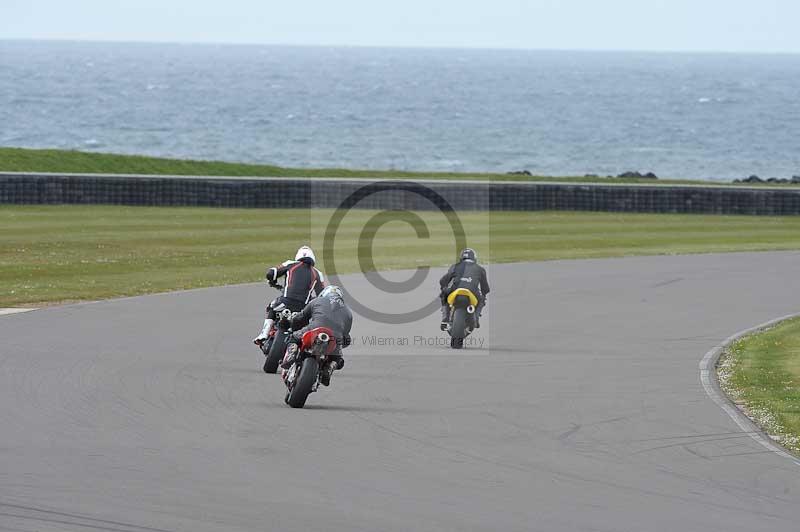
463, 304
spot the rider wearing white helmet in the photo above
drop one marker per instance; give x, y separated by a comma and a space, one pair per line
303, 283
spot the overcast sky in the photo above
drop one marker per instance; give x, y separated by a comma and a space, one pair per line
714, 25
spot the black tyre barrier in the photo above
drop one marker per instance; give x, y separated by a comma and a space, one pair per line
47, 189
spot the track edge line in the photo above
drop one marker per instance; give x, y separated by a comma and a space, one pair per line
710, 381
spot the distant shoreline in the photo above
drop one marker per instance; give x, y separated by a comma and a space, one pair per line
81, 162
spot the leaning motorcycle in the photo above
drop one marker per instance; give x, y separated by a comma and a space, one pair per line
463, 303
304, 375
277, 338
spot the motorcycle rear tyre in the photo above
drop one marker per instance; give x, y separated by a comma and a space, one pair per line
303, 384
276, 352
459, 328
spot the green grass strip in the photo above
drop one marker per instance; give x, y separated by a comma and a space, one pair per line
761, 373
67, 161
53, 254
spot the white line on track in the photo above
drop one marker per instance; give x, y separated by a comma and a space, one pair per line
7, 311
708, 377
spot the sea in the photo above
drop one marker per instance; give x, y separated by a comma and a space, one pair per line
680, 115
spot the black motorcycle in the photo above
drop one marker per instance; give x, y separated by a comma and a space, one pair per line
277, 339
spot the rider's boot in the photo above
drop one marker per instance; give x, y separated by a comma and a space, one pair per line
445, 317
478, 312
261, 338
327, 371
335, 364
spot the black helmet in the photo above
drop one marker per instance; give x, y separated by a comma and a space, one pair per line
469, 254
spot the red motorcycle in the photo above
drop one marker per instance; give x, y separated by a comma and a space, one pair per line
309, 366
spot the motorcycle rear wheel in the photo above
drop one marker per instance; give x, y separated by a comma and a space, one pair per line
305, 381
276, 352
459, 328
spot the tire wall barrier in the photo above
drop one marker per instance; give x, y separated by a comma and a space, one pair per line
304, 193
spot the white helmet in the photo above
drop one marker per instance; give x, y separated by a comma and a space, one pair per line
305, 252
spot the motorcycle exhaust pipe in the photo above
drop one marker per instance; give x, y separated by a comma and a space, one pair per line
323, 338
471, 309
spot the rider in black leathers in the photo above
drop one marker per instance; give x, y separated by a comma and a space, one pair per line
466, 273
303, 283
328, 310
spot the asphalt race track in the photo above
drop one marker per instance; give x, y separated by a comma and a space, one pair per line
583, 410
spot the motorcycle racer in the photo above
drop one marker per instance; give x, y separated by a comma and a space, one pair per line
303, 283
466, 273
328, 310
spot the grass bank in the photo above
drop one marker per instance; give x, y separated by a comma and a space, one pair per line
761, 373
66, 161
65, 253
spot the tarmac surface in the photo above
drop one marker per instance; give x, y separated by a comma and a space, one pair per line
582, 409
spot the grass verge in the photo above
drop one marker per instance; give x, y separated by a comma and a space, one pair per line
67, 161
761, 374
54, 254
